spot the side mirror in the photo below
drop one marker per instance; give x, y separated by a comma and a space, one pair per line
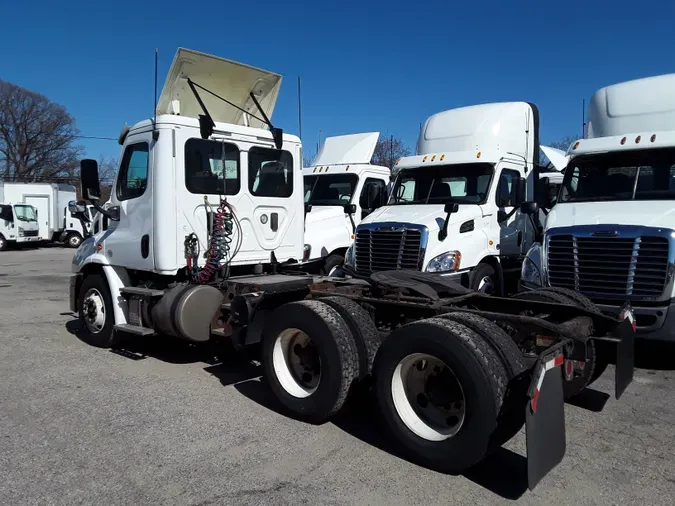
75, 208
451, 207
91, 189
520, 191
529, 207
350, 209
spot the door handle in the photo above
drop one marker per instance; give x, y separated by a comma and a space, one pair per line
274, 222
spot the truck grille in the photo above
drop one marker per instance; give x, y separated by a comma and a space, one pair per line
387, 249
636, 267
30, 233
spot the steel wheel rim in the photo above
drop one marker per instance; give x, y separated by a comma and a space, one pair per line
74, 241
94, 311
434, 412
296, 363
486, 285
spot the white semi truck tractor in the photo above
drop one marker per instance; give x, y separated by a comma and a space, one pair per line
454, 206
206, 213
342, 187
610, 235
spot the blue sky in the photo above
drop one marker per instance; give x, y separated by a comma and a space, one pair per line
365, 66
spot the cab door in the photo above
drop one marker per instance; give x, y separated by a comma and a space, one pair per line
509, 219
128, 242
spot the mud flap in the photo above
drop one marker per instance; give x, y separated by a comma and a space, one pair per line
625, 349
545, 418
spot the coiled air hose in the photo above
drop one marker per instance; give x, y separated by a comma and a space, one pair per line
220, 241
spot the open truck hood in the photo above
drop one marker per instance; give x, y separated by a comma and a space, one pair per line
347, 149
557, 157
227, 79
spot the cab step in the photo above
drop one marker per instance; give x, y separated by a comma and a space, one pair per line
141, 292
134, 329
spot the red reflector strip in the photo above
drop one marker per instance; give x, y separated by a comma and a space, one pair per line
629, 314
555, 362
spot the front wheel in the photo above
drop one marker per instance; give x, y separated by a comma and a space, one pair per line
484, 279
3, 243
332, 263
96, 312
74, 240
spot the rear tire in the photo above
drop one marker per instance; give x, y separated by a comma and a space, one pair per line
512, 415
414, 358
96, 312
591, 366
366, 336
309, 359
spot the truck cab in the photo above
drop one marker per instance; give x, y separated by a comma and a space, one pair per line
203, 189
340, 176
610, 235
454, 206
18, 225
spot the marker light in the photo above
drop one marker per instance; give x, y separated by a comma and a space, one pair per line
347, 168
424, 159
442, 157
478, 155
433, 158
653, 137
637, 139
576, 145
623, 141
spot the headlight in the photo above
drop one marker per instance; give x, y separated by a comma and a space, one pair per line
306, 252
531, 271
446, 262
349, 256
20, 232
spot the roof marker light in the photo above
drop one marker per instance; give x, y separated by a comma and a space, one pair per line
347, 168
623, 141
315, 169
576, 145
398, 161
637, 139
478, 155
424, 159
433, 158
442, 157
653, 137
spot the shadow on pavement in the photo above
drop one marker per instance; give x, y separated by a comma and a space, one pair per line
504, 472
589, 399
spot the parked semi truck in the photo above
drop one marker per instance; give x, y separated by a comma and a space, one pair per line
49, 199
454, 206
610, 234
207, 212
341, 188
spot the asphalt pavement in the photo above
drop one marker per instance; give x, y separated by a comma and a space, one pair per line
162, 422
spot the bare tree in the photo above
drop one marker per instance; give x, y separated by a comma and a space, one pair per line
388, 150
308, 158
37, 137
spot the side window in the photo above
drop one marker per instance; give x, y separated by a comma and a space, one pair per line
270, 172
212, 167
133, 176
6, 213
506, 188
363, 199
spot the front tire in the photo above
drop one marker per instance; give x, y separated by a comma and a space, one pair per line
3, 243
484, 279
332, 261
74, 240
440, 388
309, 359
96, 312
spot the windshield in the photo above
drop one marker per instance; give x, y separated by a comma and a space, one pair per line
465, 184
631, 175
330, 189
25, 213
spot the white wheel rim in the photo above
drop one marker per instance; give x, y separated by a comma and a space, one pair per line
74, 241
94, 311
428, 397
332, 271
296, 362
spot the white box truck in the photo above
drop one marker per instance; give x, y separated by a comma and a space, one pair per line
341, 188
75, 229
18, 223
208, 208
611, 233
49, 199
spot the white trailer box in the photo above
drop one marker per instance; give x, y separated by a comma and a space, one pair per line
49, 199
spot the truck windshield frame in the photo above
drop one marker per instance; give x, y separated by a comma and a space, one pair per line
470, 183
25, 212
646, 174
330, 189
